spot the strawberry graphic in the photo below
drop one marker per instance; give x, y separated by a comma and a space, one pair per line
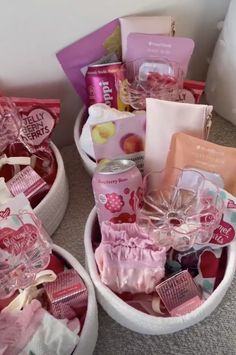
123, 218
114, 203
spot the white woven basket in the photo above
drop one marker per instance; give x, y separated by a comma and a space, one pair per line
52, 208
88, 163
137, 320
89, 334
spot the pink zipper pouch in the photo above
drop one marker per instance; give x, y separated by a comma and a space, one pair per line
163, 25
155, 47
128, 260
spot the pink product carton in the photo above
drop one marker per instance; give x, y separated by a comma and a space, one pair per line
120, 139
157, 47
67, 295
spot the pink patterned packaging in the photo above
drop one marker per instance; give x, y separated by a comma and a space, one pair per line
67, 295
26, 181
157, 47
117, 188
179, 294
25, 247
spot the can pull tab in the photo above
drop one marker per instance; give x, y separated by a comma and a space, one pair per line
208, 120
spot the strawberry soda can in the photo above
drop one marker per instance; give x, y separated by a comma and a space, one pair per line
102, 82
117, 188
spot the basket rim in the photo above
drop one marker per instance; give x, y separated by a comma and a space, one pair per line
89, 163
60, 173
172, 323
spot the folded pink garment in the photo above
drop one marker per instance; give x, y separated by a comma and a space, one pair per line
17, 328
128, 260
34, 330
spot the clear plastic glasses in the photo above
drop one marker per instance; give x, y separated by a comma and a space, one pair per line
150, 78
180, 208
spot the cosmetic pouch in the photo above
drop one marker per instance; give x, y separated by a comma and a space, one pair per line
128, 260
191, 152
163, 119
153, 47
163, 25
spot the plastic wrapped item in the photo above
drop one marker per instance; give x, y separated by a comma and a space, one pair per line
183, 209
24, 245
28, 125
156, 78
191, 152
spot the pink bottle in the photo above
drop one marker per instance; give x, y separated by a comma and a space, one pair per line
117, 188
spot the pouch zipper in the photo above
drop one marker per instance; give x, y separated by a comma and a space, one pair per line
172, 27
208, 121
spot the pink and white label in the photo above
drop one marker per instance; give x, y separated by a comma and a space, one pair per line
224, 234
36, 126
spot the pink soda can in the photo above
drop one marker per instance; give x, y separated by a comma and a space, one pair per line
102, 82
117, 188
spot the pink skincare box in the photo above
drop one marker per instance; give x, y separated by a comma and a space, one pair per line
179, 294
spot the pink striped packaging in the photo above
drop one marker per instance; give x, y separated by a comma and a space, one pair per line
26, 181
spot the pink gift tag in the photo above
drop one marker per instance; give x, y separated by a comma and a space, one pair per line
26, 181
179, 294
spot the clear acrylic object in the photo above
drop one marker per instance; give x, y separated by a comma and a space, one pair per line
150, 78
24, 251
180, 208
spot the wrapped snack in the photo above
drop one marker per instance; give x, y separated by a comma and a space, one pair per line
31, 123
67, 295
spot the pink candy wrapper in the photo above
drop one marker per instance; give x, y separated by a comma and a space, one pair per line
26, 181
67, 295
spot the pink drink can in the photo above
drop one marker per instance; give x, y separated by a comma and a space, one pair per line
117, 188
102, 82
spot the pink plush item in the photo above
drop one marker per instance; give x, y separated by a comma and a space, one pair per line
17, 328
128, 260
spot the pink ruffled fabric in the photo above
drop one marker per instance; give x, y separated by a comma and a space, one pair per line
16, 329
128, 260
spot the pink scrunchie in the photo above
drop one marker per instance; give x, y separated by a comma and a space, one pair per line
128, 260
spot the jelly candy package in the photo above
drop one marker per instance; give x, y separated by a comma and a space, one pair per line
25, 247
26, 126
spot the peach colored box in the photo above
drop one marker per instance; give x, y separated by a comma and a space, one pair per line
123, 138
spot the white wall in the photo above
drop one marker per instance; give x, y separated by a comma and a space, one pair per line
31, 32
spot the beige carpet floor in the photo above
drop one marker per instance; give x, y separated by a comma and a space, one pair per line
214, 335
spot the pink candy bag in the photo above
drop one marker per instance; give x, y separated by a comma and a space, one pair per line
128, 260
